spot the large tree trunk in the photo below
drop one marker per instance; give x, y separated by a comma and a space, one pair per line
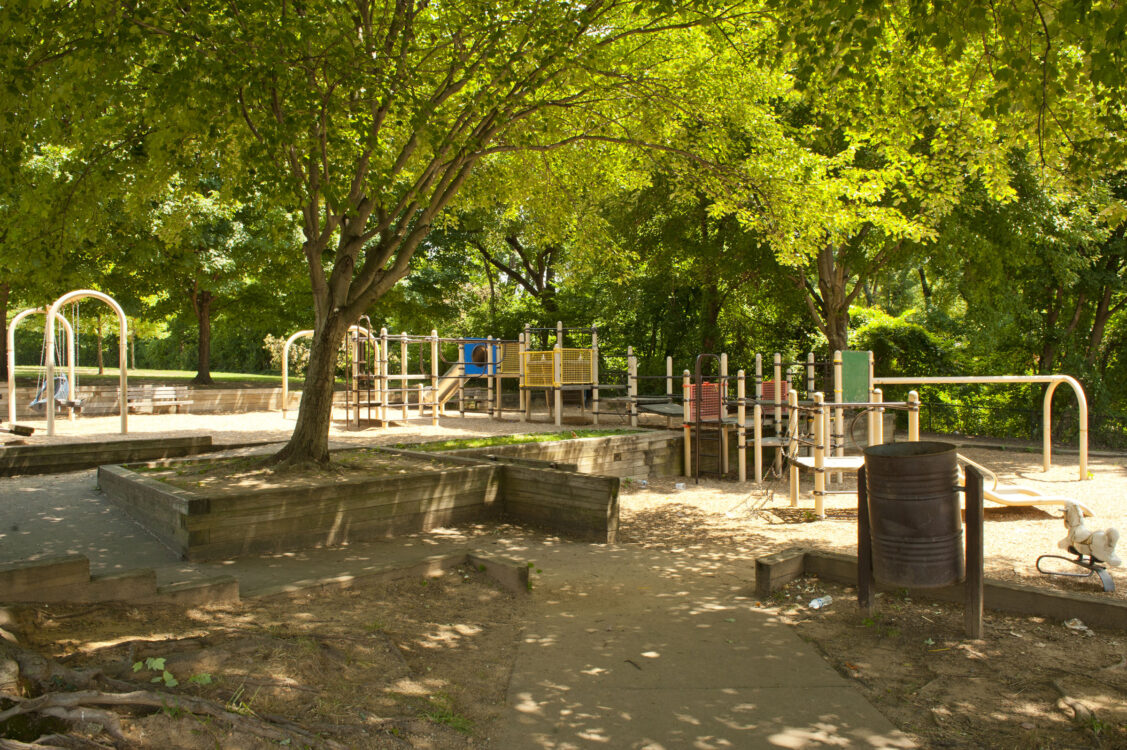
201, 301
710, 319
310, 439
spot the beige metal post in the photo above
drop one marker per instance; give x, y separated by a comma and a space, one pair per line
525, 399
792, 447
757, 438
557, 374
876, 419
492, 385
741, 426
632, 385
594, 375
820, 423
382, 360
723, 393
777, 399
913, 416
809, 372
404, 383
837, 440
687, 425
434, 375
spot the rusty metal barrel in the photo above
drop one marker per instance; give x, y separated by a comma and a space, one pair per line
914, 514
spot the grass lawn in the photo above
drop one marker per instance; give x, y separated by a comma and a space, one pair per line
489, 442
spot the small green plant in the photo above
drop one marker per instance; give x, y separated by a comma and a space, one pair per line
156, 664
375, 626
440, 711
531, 568
202, 679
172, 711
240, 704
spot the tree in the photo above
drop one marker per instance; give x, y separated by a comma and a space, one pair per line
368, 118
209, 249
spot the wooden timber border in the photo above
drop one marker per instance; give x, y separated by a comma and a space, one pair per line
515, 482
62, 457
775, 571
635, 455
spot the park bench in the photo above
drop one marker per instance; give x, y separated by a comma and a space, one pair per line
149, 398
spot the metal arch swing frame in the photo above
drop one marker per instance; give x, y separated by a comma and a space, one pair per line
306, 333
12, 354
122, 353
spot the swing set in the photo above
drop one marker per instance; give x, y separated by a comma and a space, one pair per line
60, 391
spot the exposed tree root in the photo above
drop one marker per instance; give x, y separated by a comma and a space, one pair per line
87, 703
76, 707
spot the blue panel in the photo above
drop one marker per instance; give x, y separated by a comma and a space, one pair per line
475, 353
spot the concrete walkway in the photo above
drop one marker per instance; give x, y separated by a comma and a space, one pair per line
632, 648
626, 648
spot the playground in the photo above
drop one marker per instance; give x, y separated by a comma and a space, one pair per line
444, 647
709, 473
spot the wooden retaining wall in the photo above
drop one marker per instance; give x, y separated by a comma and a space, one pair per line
59, 458
102, 400
577, 505
637, 456
207, 527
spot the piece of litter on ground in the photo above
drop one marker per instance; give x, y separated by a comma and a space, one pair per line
1076, 624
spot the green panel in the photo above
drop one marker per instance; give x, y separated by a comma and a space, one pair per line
855, 383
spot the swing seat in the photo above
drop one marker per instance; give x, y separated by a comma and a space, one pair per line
61, 389
39, 403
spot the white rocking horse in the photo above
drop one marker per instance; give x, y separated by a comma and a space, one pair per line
1097, 546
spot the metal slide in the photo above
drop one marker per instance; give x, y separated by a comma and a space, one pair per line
1017, 495
449, 383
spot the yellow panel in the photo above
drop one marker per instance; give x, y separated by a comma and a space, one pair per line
510, 358
538, 369
575, 367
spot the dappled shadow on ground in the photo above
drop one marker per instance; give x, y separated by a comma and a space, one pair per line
653, 643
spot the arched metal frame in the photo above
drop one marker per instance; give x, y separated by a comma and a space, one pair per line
1046, 413
122, 352
308, 333
12, 355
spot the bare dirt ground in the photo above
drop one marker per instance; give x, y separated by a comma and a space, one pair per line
420, 663
414, 665
1031, 683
